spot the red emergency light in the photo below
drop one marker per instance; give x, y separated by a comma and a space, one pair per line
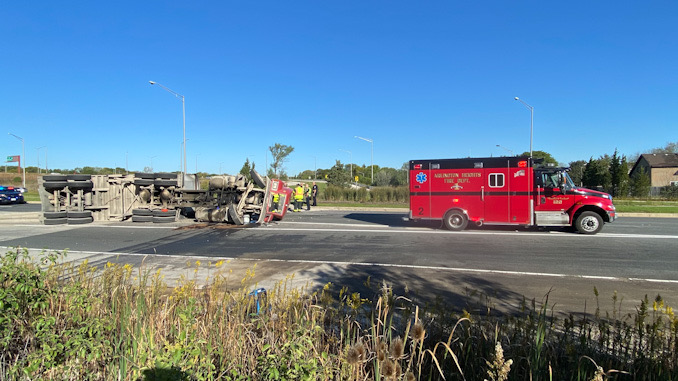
522, 164
417, 166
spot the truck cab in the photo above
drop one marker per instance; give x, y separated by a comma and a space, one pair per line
559, 202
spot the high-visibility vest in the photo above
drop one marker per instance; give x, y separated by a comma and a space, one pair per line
276, 197
299, 193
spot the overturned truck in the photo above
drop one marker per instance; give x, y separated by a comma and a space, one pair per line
159, 198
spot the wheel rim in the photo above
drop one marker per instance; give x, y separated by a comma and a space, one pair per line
589, 224
456, 220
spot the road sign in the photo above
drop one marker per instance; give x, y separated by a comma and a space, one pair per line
13, 159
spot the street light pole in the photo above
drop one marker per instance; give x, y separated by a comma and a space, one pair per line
502, 147
23, 156
371, 155
350, 153
38, 149
531, 120
183, 109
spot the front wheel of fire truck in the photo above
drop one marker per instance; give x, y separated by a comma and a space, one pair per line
455, 220
589, 223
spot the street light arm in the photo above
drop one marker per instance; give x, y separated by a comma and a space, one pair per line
365, 139
168, 90
524, 103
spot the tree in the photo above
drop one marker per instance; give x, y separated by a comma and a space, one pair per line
624, 180
338, 176
279, 152
307, 174
246, 169
577, 171
640, 183
384, 177
548, 159
590, 176
615, 174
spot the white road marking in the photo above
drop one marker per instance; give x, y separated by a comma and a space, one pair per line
362, 228
365, 264
508, 233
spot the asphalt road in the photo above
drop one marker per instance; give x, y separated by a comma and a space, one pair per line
481, 267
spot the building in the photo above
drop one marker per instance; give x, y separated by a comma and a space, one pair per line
661, 167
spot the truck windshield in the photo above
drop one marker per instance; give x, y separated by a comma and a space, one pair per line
558, 179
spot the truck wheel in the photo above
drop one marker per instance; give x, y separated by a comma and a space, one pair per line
455, 220
54, 178
53, 215
143, 182
234, 215
165, 175
589, 223
54, 185
79, 177
75, 185
55, 221
164, 183
80, 221
144, 175
256, 177
142, 212
85, 214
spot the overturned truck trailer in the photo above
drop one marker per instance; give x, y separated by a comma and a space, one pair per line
158, 198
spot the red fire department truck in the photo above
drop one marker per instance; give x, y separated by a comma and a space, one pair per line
504, 191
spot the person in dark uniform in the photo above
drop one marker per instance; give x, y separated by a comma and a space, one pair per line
314, 193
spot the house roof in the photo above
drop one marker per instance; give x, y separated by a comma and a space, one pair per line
661, 160
658, 160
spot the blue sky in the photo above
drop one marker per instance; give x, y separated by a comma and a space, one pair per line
428, 79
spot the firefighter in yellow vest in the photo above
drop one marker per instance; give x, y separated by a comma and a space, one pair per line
298, 197
276, 200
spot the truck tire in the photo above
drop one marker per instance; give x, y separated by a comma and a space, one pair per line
80, 221
142, 218
142, 212
233, 215
164, 183
165, 175
53, 215
164, 213
79, 177
589, 223
143, 182
144, 175
54, 178
55, 221
55, 185
455, 220
163, 220
256, 177
86, 214
75, 185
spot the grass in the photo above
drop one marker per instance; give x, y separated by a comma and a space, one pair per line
64, 321
645, 206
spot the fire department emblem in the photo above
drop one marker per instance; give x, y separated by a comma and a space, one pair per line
421, 177
456, 187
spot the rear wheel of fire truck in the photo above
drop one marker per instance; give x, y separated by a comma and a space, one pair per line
256, 177
234, 215
589, 223
455, 220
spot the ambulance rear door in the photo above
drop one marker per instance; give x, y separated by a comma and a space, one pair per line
420, 189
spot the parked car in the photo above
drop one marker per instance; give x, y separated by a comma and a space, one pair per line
11, 195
